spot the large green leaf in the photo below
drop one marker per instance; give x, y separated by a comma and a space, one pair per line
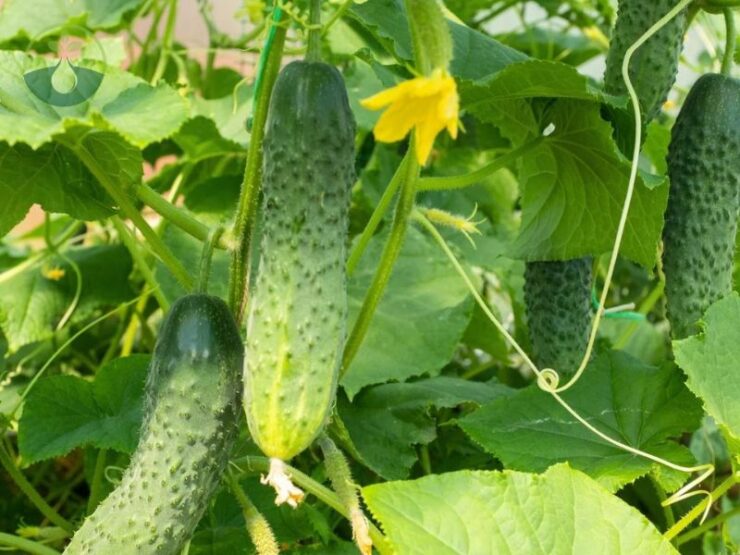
141, 113
51, 176
574, 183
711, 360
39, 18
65, 412
33, 301
475, 55
631, 402
422, 316
386, 422
561, 512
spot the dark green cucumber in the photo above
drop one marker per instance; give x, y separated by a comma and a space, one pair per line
558, 302
191, 412
653, 67
298, 307
703, 202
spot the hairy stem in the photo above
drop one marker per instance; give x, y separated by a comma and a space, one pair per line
313, 53
96, 494
731, 37
460, 181
28, 546
387, 260
689, 517
249, 196
175, 215
377, 216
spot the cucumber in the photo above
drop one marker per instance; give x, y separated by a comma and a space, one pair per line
703, 201
653, 67
298, 307
558, 305
191, 414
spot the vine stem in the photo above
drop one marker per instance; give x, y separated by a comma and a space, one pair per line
708, 525
249, 196
730, 41
387, 260
26, 545
324, 494
130, 211
177, 216
166, 42
34, 496
97, 482
596, 323
140, 260
702, 507
313, 53
460, 181
206, 257
377, 216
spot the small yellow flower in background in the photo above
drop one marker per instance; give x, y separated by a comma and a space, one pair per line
429, 104
54, 274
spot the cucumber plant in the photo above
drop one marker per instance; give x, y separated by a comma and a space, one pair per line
322, 159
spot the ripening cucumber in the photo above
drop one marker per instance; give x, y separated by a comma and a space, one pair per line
558, 303
190, 422
298, 307
703, 201
653, 67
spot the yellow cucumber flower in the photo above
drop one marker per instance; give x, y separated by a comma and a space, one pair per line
430, 104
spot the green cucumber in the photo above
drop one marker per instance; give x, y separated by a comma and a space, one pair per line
653, 67
190, 423
558, 304
298, 307
703, 202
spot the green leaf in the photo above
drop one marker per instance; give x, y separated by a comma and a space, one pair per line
419, 321
532, 79
40, 18
640, 405
65, 412
32, 304
711, 361
52, 177
141, 113
475, 55
552, 44
557, 513
386, 422
576, 179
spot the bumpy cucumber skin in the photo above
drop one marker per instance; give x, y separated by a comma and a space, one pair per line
654, 66
192, 408
703, 202
298, 309
558, 302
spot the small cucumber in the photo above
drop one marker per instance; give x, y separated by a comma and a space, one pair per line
703, 202
191, 413
558, 302
298, 306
